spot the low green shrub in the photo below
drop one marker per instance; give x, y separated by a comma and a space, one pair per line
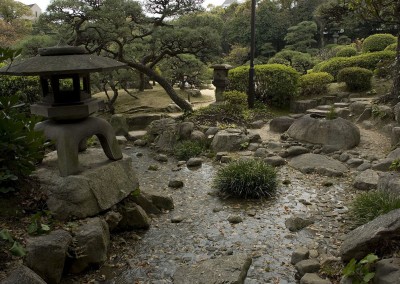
391, 47
356, 78
378, 42
367, 60
369, 205
278, 60
27, 89
384, 69
188, 149
361, 272
239, 79
314, 84
246, 179
236, 98
346, 52
20, 146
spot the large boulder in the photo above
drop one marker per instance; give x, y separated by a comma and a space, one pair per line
389, 182
101, 185
91, 241
164, 133
280, 124
228, 140
338, 133
387, 271
370, 237
223, 270
46, 254
133, 217
310, 163
22, 275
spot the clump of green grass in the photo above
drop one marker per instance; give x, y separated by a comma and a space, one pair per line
369, 205
188, 149
246, 179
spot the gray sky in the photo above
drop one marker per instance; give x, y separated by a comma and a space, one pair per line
43, 3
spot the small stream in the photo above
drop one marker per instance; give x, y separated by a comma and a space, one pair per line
205, 233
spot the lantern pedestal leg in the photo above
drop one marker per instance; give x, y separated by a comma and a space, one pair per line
69, 138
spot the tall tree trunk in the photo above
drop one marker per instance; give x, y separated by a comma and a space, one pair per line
141, 82
183, 104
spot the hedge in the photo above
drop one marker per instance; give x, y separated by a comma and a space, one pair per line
275, 83
314, 84
356, 78
346, 52
391, 47
367, 60
378, 42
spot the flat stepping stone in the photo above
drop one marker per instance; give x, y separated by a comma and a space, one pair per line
137, 134
342, 105
223, 270
317, 112
324, 107
315, 163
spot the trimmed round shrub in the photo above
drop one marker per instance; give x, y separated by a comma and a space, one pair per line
314, 84
346, 52
391, 47
246, 179
378, 42
276, 83
367, 60
278, 60
235, 98
356, 78
372, 204
188, 149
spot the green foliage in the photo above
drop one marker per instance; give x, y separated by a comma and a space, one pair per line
26, 89
300, 61
361, 272
20, 145
276, 83
314, 84
378, 42
188, 149
16, 248
384, 69
236, 99
346, 52
368, 61
356, 78
30, 45
246, 179
369, 205
301, 36
395, 165
36, 227
331, 114
391, 47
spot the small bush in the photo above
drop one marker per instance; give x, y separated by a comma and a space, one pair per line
188, 149
378, 42
235, 98
384, 69
368, 61
314, 84
20, 146
346, 52
391, 47
356, 79
246, 179
372, 204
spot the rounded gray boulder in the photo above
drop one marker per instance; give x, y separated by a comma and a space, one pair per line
338, 132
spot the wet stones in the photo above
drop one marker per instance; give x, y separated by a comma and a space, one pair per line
307, 266
133, 217
299, 255
235, 219
298, 223
309, 163
175, 183
23, 275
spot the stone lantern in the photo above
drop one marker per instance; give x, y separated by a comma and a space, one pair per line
67, 102
220, 80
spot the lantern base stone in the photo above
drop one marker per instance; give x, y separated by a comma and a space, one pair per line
69, 136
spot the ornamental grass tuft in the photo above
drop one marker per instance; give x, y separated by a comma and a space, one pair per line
369, 205
246, 179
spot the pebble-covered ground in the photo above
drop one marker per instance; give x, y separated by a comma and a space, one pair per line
198, 228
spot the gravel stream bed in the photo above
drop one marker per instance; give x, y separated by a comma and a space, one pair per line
205, 232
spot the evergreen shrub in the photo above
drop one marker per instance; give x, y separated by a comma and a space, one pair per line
367, 60
314, 84
346, 52
188, 149
391, 47
356, 78
246, 179
276, 83
378, 42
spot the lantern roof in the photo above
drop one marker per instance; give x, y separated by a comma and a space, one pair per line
61, 60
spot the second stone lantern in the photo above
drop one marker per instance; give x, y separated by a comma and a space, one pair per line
67, 102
